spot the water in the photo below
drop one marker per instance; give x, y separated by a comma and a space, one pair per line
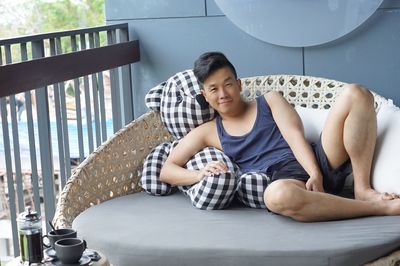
72, 135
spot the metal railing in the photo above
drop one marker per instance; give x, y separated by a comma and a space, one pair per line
61, 95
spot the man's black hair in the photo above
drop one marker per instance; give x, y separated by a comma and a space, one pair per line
210, 62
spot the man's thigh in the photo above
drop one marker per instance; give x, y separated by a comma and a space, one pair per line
295, 182
288, 169
333, 178
332, 133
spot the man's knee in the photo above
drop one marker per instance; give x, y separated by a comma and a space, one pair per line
358, 94
284, 197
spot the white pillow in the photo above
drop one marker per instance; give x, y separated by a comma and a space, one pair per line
386, 165
313, 121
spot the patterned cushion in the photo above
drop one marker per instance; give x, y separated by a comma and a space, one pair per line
180, 103
150, 179
202, 158
250, 189
182, 107
213, 192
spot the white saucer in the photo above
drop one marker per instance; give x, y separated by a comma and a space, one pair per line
50, 253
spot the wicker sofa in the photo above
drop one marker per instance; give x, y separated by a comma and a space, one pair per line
104, 195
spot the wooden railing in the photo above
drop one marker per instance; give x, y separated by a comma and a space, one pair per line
50, 83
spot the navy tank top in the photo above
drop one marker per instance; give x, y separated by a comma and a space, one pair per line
260, 148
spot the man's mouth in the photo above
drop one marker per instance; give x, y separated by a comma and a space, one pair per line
225, 101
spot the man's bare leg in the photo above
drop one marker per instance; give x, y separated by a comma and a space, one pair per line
350, 131
290, 198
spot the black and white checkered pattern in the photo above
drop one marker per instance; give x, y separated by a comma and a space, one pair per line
150, 179
250, 189
153, 97
207, 155
180, 112
177, 103
213, 192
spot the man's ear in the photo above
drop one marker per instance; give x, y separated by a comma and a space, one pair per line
239, 81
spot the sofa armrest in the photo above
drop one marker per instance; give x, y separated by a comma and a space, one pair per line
113, 170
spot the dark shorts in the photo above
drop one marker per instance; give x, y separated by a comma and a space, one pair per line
334, 179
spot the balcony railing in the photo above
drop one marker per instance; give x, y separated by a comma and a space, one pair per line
61, 95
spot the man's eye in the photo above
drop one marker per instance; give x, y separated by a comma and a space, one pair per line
228, 84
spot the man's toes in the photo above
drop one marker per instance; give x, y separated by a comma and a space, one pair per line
388, 196
394, 196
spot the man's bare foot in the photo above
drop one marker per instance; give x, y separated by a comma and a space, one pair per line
372, 195
393, 206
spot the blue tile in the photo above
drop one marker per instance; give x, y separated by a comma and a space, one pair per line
140, 9
171, 45
369, 56
213, 9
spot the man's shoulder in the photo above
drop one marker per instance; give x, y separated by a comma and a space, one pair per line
210, 125
275, 100
207, 132
272, 94
204, 128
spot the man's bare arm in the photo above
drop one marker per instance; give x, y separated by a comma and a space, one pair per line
291, 127
173, 171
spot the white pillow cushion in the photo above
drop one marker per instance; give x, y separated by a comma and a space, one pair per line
313, 121
386, 166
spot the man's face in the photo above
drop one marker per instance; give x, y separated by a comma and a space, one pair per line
222, 90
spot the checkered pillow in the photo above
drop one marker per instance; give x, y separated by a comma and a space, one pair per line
180, 103
250, 189
202, 158
182, 108
150, 179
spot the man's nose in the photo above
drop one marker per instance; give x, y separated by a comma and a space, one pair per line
222, 92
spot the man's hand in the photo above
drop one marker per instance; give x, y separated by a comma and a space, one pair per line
315, 183
213, 168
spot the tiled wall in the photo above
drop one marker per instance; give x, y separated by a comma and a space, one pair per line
173, 33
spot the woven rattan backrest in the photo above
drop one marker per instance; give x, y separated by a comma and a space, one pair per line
306, 91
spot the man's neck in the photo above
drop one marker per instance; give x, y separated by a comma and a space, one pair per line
239, 113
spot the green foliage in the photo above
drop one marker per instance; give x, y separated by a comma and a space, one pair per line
29, 17
39, 16
67, 14
70, 90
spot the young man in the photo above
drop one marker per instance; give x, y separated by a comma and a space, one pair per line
267, 135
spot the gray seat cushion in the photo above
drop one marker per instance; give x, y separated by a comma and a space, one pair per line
139, 229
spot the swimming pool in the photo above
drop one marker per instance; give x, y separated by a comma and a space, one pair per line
72, 136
